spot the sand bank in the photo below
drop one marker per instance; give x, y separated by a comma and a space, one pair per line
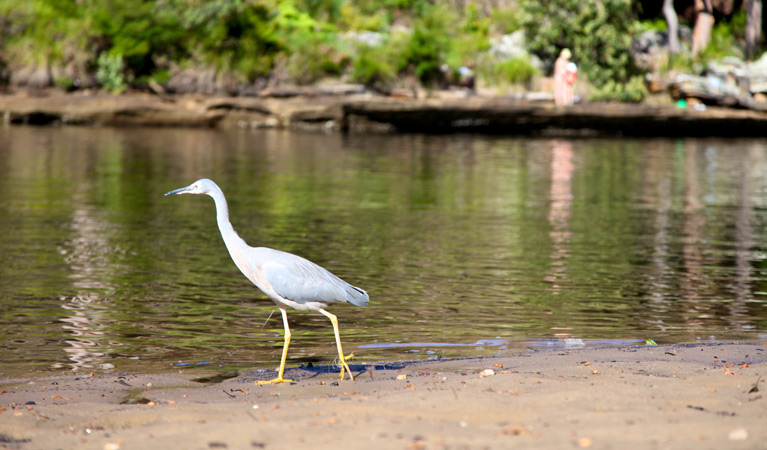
696, 396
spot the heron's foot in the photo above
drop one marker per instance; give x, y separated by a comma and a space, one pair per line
274, 381
345, 367
345, 358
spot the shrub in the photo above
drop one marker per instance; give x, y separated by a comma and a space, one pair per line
469, 39
429, 44
234, 36
139, 31
724, 39
632, 91
313, 57
109, 72
372, 68
511, 71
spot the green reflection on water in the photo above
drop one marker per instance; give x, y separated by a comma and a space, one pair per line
483, 243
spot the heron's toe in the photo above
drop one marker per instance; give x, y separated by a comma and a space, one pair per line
274, 381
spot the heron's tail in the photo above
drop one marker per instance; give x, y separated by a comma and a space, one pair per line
357, 296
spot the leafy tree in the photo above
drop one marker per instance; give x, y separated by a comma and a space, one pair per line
41, 31
137, 32
312, 46
236, 36
599, 33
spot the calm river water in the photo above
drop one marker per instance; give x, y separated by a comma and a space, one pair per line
468, 245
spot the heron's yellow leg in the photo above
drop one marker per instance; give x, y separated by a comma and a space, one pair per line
344, 366
281, 371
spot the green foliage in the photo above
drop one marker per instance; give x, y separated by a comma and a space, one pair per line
471, 39
325, 10
137, 31
416, 7
314, 48
239, 36
440, 38
314, 57
41, 31
110, 72
429, 44
63, 83
631, 91
379, 66
724, 39
130, 42
657, 24
235, 36
599, 34
506, 21
511, 71
372, 68
354, 19
682, 62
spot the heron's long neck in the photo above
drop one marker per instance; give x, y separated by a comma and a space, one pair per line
222, 217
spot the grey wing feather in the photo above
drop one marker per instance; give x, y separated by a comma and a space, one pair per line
301, 280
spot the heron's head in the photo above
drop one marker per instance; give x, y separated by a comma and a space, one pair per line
201, 186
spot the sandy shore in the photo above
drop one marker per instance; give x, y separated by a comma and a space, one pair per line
696, 396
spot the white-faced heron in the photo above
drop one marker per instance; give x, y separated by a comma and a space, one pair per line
287, 279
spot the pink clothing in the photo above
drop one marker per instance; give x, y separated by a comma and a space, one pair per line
564, 80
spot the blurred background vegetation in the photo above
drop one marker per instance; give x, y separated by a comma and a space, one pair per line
240, 47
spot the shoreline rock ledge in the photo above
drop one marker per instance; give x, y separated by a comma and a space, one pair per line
366, 113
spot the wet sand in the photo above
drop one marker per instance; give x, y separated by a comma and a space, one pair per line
683, 396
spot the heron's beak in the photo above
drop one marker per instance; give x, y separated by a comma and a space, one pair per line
183, 190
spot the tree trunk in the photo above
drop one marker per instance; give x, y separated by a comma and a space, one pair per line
753, 27
704, 23
673, 26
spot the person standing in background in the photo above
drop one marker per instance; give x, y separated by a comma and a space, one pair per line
563, 92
